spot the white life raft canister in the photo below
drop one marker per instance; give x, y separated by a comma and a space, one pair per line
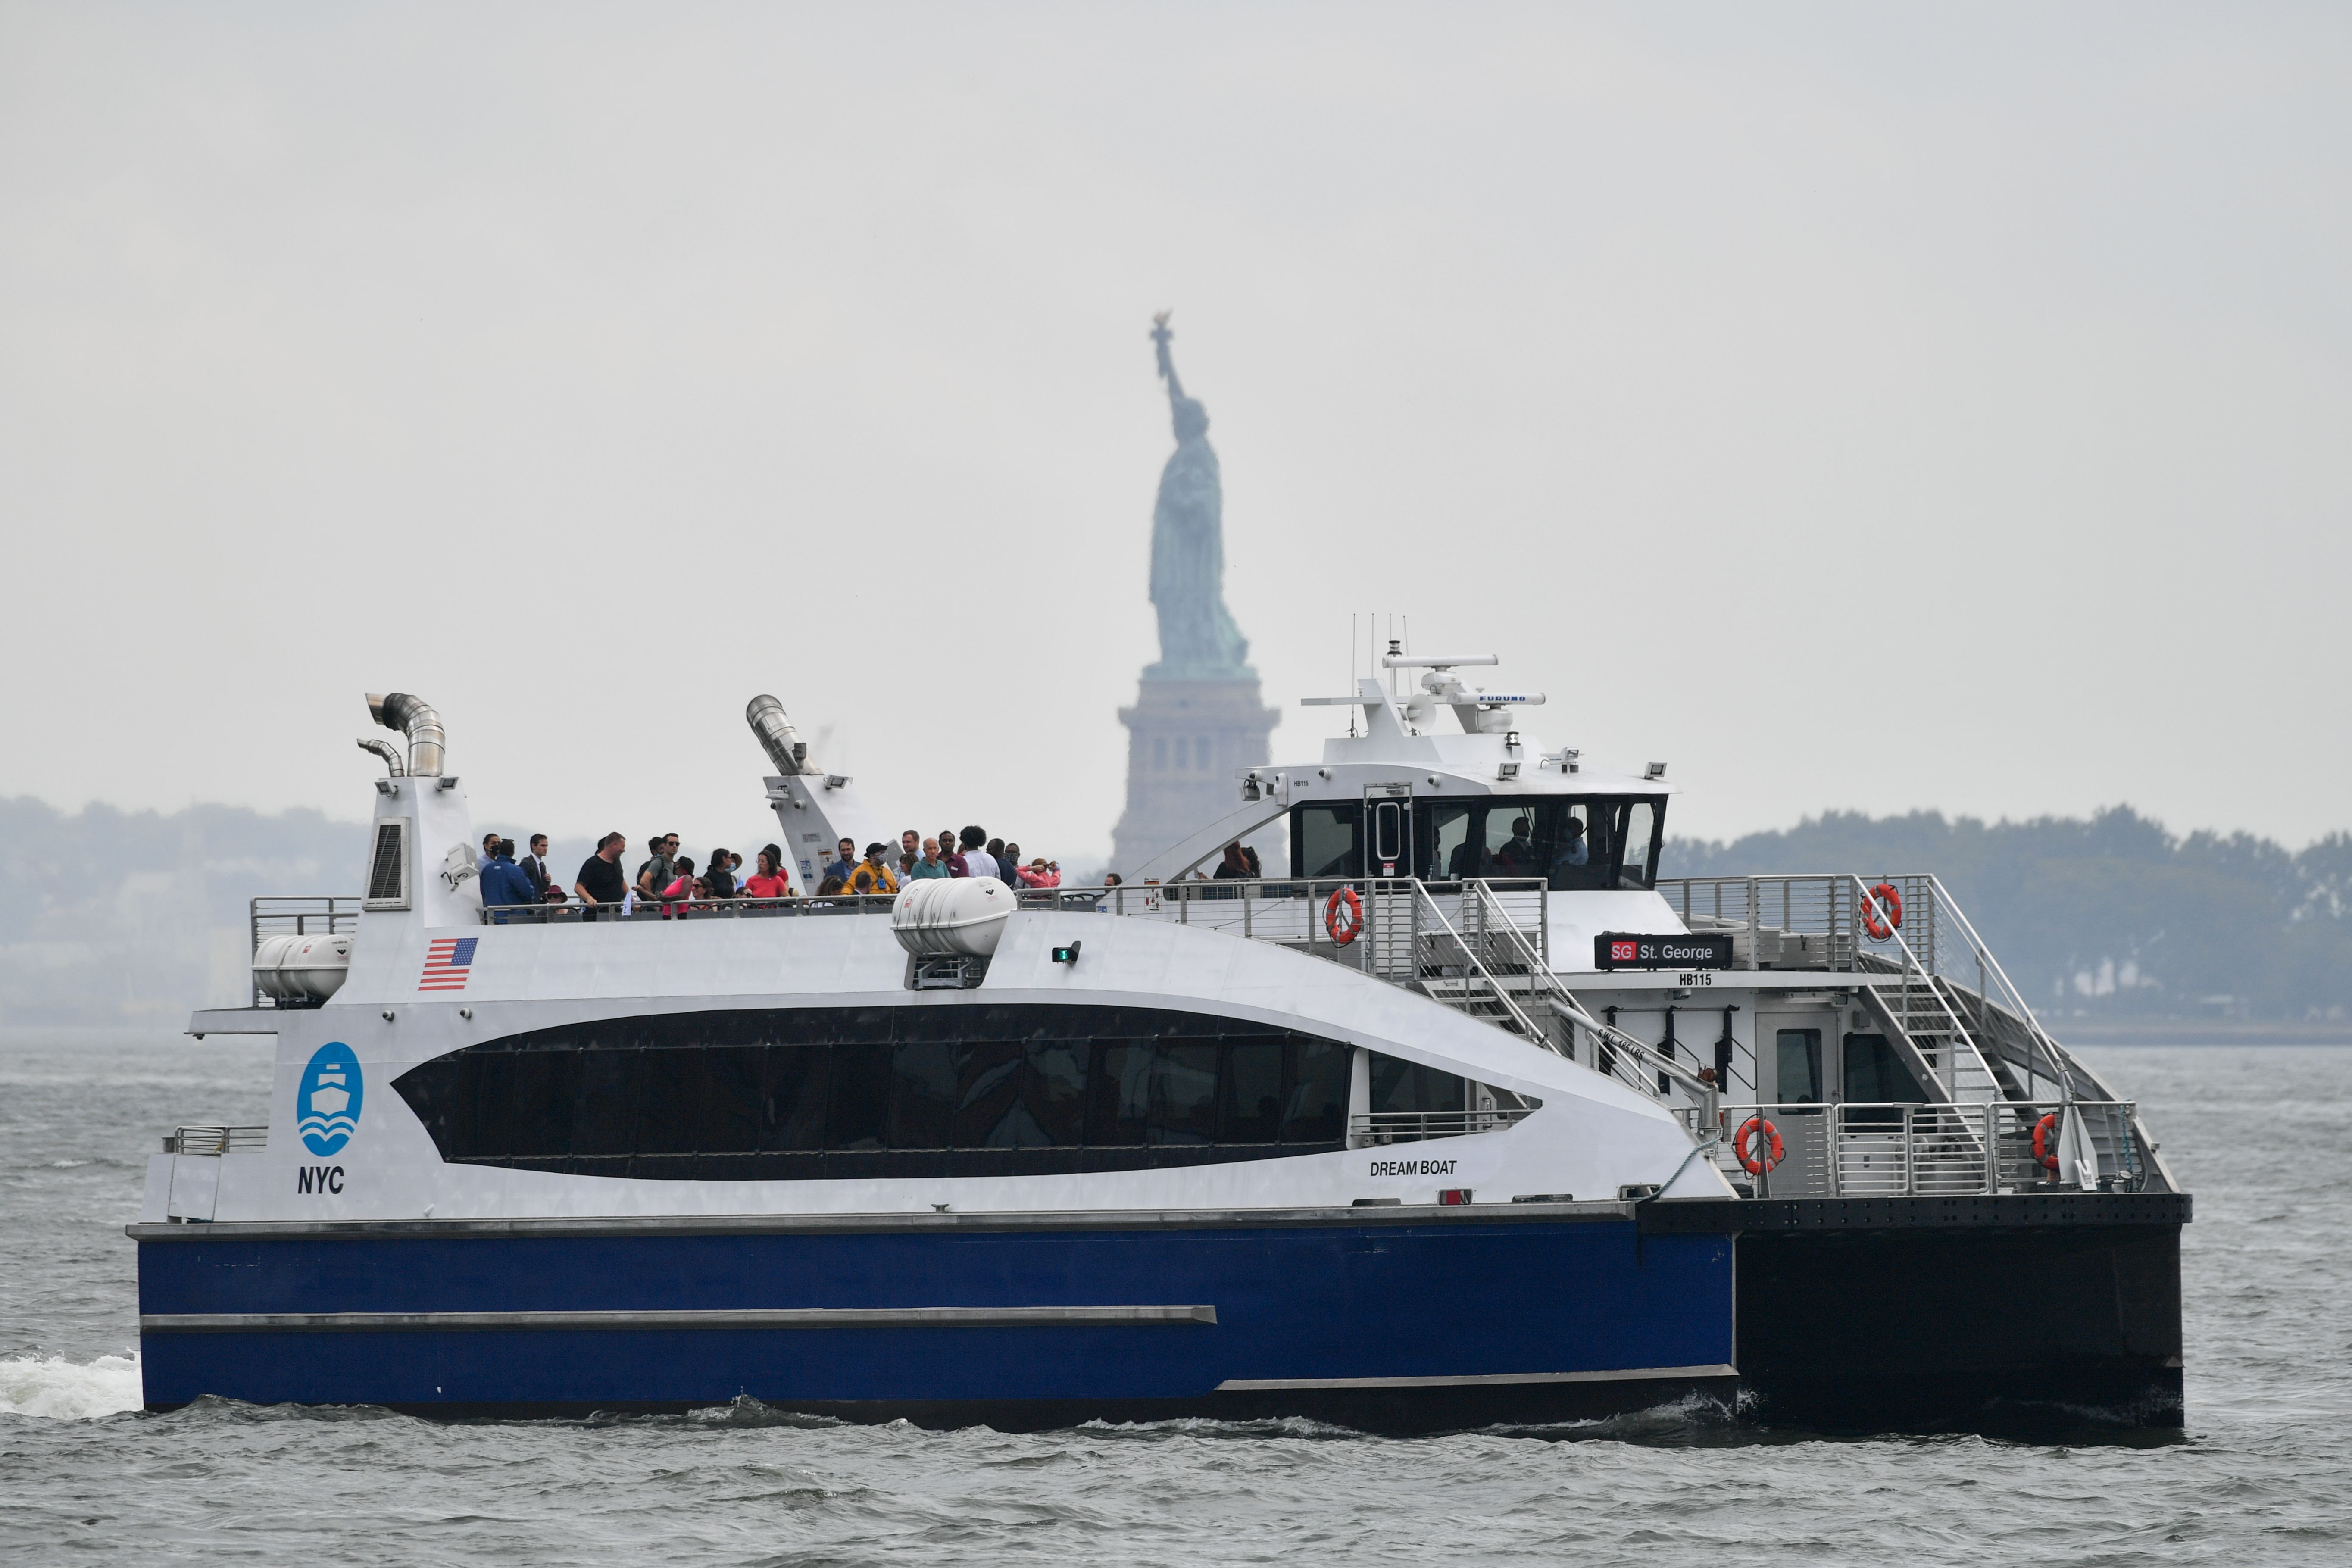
941, 917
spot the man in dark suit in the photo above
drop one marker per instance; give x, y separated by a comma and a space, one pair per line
534, 866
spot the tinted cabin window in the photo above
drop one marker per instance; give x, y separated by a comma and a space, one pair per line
1408, 1085
1316, 1109
1184, 1093
1874, 1073
1324, 841
961, 1091
603, 1116
793, 1106
1253, 1092
1054, 1095
1121, 1112
923, 1096
1797, 1061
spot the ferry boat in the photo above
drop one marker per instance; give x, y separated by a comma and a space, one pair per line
1464, 1117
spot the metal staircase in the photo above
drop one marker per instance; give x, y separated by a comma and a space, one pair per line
1924, 1027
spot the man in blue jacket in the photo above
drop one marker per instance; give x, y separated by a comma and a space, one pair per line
503, 881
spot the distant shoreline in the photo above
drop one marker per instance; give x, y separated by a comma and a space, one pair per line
2195, 1032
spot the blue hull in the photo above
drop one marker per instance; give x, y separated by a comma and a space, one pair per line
1404, 1324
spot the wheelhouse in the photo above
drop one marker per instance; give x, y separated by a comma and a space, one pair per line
1576, 843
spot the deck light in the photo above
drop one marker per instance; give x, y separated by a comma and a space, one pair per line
1655, 770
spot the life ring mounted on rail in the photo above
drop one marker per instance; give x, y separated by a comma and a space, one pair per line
1343, 916
2046, 1142
1883, 912
1758, 1145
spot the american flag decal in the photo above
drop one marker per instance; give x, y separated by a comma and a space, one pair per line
446, 963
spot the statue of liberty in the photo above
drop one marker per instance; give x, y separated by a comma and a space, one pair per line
1198, 638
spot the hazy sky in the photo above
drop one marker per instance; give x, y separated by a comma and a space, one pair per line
1854, 406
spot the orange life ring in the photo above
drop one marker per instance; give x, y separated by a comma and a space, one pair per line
2045, 1142
1756, 1161
1343, 916
1889, 897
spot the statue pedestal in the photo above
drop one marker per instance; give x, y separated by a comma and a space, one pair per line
1184, 739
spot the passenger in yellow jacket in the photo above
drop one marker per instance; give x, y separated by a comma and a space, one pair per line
871, 876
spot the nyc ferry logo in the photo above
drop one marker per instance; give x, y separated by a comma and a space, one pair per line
327, 1105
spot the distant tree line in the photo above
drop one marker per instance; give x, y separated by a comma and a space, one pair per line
2109, 916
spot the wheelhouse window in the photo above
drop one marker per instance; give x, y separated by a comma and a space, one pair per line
1326, 840
1640, 823
1574, 842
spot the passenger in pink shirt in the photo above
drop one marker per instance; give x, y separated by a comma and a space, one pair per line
680, 889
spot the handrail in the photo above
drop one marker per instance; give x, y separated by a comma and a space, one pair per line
1909, 959
2016, 998
1622, 1044
214, 1139
1943, 1147
654, 908
1623, 1047
1377, 1127
1914, 966
1526, 1025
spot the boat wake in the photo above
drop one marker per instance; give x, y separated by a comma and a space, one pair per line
54, 1387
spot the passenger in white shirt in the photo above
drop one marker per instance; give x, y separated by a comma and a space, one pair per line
977, 861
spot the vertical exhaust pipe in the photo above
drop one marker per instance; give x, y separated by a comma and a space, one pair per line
419, 722
777, 737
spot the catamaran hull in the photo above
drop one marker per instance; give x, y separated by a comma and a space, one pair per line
2023, 1314
1408, 1323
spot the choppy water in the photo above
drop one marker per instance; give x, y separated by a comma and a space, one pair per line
2264, 1473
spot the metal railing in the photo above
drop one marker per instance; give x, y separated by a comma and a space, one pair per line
214, 1139
1380, 1127
1899, 1149
1824, 921
689, 909
1296, 910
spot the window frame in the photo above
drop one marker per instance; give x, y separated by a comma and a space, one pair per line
471, 1100
403, 839
1349, 811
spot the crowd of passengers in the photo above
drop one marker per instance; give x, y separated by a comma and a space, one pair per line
670, 879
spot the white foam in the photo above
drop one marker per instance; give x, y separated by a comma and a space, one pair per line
69, 1389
